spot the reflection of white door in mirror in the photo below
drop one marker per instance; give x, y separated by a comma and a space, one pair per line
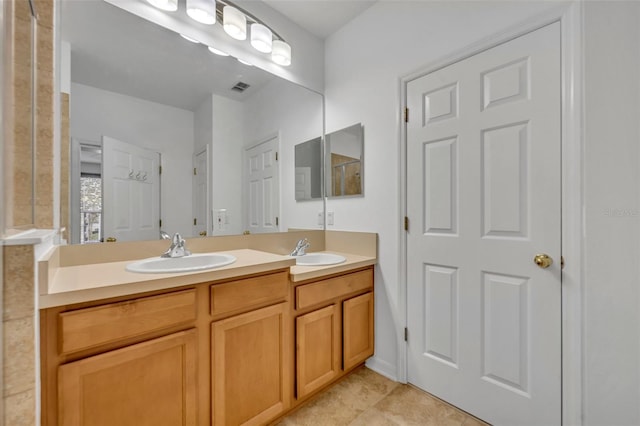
200, 192
303, 183
262, 188
130, 191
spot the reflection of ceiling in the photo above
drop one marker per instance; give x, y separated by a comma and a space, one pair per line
321, 17
114, 50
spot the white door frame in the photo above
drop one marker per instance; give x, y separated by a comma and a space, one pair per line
570, 18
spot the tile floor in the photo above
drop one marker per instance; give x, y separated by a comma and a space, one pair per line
367, 398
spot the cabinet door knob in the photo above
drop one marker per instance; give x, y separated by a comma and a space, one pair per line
203, 233
110, 239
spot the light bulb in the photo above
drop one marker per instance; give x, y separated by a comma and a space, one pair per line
192, 40
261, 38
281, 53
217, 51
168, 5
235, 23
244, 62
203, 11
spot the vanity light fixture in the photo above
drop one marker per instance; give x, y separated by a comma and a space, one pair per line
234, 22
167, 5
217, 51
281, 54
249, 64
203, 11
261, 38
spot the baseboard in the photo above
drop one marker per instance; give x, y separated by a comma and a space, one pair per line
384, 368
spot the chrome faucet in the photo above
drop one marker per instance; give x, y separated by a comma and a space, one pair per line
301, 246
177, 248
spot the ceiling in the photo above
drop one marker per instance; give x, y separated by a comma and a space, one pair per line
321, 17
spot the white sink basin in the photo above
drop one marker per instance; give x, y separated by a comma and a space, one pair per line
319, 259
194, 262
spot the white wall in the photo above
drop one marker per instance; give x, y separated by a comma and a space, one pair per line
295, 113
227, 139
362, 84
168, 130
363, 70
612, 214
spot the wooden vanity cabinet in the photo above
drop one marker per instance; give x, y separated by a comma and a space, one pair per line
334, 328
148, 384
249, 371
231, 352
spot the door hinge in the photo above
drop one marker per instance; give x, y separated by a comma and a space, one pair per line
406, 223
159, 169
276, 220
194, 171
406, 115
160, 223
561, 262
195, 221
276, 155
406, 334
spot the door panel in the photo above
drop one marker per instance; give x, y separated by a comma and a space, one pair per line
131, 191
483, 196
262, 187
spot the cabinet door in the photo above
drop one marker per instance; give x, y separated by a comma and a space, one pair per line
248, 367
357, 330
317, 349
148, 384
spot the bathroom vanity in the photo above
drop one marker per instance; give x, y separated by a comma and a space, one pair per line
242, 344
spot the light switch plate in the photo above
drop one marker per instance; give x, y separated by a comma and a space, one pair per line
329, 218
320, 218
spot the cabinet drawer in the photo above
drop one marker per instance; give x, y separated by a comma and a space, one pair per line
325, 290
242, 295
90, 327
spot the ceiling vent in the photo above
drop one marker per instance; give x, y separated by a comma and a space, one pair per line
240, 87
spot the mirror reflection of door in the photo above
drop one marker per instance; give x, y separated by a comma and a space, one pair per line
200, 192
303, 183
262, 187
130, 191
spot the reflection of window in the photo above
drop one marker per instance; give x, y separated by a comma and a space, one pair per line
90, 209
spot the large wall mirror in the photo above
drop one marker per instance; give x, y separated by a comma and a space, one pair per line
167, 136
344, 162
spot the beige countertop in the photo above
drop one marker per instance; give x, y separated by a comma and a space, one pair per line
82, 283
354, 261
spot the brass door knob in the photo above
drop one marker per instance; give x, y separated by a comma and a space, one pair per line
203, 233
543, 260
110, 239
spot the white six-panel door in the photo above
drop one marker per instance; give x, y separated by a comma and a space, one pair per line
262, 191
130, 191
483, 198
200, 193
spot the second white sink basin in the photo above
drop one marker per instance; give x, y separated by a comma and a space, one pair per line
194, 262
319, 259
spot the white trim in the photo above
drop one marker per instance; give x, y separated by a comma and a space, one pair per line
382, 367
570, 18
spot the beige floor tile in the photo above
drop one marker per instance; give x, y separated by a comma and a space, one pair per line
406, 405
366, 398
